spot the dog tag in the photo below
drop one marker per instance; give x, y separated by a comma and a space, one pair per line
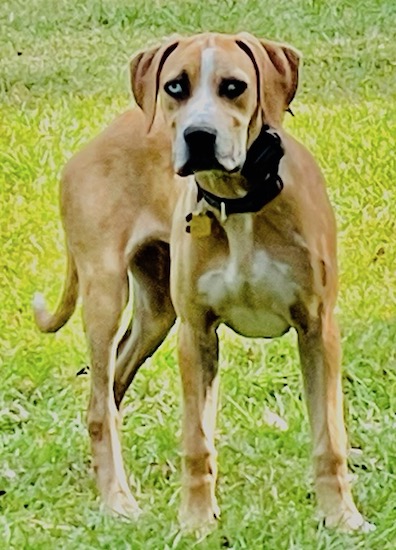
200, 224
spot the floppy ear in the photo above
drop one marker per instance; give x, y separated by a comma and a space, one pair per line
145, 70
277, 74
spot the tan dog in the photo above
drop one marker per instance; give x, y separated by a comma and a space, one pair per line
124, 210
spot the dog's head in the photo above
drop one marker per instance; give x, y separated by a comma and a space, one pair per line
216, 92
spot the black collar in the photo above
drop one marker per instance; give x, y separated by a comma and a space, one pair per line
261, 171
253, 201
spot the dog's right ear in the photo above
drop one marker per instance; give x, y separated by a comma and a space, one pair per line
145, 71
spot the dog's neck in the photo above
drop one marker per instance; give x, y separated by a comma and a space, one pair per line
240, 234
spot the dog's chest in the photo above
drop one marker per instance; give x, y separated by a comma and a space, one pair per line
251, 291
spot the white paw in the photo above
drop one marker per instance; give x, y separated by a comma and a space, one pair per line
200, 522
123, 504
349, 521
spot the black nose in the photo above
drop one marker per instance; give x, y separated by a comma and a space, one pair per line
200, 141
201, 150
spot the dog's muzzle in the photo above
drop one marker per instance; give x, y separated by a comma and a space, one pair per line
201, 150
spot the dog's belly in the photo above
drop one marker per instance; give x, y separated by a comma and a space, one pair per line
255, 299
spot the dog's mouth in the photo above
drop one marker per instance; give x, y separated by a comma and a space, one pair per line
205, 165
201, 164
220, 176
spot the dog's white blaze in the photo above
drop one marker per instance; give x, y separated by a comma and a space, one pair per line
207, 70
202, 106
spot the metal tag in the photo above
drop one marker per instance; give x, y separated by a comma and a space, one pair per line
200, 224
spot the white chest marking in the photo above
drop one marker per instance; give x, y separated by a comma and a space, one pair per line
250, 292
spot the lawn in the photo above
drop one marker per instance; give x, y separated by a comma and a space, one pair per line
62, 79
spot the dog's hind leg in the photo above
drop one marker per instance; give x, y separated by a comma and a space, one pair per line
104, 289
153, 314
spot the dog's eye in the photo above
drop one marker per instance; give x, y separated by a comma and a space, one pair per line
178, 88
232, 88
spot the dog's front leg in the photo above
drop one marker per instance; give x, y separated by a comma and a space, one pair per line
319, 345
198, 361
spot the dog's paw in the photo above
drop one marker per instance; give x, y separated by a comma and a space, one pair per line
124, 505
349, 521
200, 521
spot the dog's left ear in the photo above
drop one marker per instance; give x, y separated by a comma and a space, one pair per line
145, 70
276, 67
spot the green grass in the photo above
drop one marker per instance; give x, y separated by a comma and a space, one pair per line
67, 84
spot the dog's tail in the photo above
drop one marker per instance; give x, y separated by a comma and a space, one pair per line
51, 322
